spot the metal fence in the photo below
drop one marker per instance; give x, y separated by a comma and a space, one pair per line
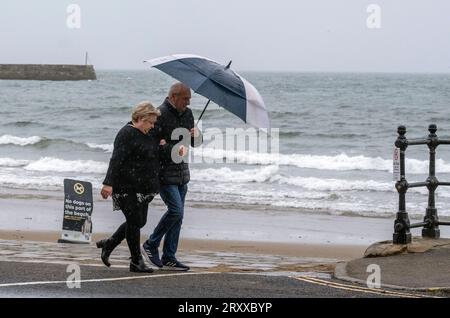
430, 224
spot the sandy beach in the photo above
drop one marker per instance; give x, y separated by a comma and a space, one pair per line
37, 216
246, 229
231, 246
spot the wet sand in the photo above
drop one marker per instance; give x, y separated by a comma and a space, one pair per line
37, 216
332, 251
206, 221
220, 238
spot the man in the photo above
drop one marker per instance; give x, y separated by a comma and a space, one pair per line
174, 175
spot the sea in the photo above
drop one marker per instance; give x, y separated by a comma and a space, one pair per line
331, 146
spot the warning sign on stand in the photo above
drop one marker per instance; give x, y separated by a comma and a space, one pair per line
78, 206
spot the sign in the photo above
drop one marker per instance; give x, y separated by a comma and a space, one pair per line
396, 167
78, 205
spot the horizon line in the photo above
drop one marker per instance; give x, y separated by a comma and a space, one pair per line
298, 71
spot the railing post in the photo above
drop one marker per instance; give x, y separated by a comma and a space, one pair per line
401, 234
431, 230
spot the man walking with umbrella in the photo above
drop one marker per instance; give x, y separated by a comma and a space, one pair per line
221, 85
174, 176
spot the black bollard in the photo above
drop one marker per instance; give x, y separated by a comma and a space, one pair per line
401, 234
431, 229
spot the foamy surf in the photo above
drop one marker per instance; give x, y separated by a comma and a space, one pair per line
59, 165
106, 147
34, 140
262, 175
10, 162
47, 183
226, 174
19, 141
341, 162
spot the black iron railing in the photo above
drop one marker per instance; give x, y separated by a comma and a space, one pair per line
431, 221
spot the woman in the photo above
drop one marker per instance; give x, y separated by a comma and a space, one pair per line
132, 181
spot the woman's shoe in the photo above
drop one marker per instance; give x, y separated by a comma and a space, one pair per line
140, 266
107, 246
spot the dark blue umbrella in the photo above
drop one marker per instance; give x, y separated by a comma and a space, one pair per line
218, 83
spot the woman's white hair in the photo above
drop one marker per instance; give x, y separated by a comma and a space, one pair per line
144, 109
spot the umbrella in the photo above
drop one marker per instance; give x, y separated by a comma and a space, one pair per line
218, 83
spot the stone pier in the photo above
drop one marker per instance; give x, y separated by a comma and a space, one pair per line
47, 72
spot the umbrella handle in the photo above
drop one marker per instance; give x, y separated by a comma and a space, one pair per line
202, 112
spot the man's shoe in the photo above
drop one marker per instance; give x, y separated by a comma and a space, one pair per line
175, 266
139, 266
152, 255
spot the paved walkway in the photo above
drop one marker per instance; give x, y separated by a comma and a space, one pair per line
423, 265
40, 269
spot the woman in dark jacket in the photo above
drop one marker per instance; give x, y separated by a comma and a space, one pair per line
132, 181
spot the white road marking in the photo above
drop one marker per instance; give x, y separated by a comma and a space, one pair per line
102, 279
362, 289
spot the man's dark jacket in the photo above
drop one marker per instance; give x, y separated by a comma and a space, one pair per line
172, 173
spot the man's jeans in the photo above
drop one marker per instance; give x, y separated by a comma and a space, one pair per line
170, 223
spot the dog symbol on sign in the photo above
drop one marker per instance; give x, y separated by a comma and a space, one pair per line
78, 188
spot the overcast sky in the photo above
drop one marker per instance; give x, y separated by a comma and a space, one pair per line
275, 35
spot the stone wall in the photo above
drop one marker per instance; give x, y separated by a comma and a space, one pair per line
49, 72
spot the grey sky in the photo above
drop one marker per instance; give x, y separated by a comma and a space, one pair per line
283, 35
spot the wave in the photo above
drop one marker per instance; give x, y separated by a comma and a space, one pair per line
312, 201
338, 162
319, 184
270, 174
23, 123
316, 201
341, 162
40, 182
289, 114
337, 135
224, 175
9, 162
38, 141
324, 186
265, 186
290, 134
60, 165
227, 175
105, 147
20, 141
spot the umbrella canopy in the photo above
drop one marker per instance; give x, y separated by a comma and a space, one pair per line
218, 83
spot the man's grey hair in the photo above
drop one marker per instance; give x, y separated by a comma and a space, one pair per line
177, 88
